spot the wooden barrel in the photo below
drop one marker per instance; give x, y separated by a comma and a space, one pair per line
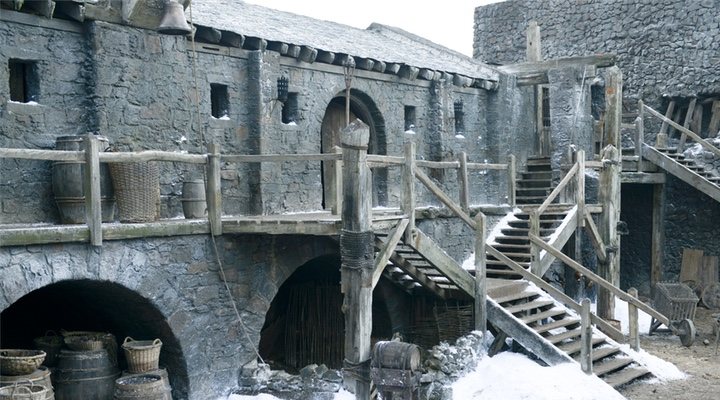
162, 372
396, 355
41, 377
193, 199
142, 386
67, 183
87, 375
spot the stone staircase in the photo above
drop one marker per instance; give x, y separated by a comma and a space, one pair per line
675, 163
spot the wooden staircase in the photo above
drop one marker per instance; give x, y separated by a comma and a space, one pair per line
686, 169
535, 182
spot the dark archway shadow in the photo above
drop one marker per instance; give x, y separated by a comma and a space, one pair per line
89, 305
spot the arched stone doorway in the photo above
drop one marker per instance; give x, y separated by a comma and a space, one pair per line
361, 107
305, 323
91, 305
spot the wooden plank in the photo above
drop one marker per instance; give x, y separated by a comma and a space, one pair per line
213, 189
480, 274
464, 183
542, 67
558, 295
677, 169
580, 187
235, 225
697, 120
44, 235
686, 124
643, 178
633, 322
639, 135
512, 180
383, 256
709, 271
259, 158
714, 126
337, 184
487, 166
609, 196
533, 46
153, 155
44, 155
668, 116
156, 229
408, 185
657, 247
586, 338
420, 277
691, 266
709, 147
91, 189
595, 238
443, 263
598, 279
434, 189
565, 231
613, 105
438, 164
535, 250
383, 160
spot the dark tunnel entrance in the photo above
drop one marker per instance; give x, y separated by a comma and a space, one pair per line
87, 305
305, 323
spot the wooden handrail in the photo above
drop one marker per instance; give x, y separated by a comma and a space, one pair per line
259, 158
561, 186
684, 130
42, 155
152, 155
599, 280
425, 180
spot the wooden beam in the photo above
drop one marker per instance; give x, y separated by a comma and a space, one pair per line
152, 155
44, 155
657, 248
435, 189
639, 135
213, 189
512, 180
668, 117
254, 43
393, 68
207, 34
308, 54
580, 186
533, 47
686, 124
326, 57
609, 197
613, 106
91, 189
643, 177
633, 321
586, 338
714, 126
480, 274
279, 47
232, 39
464, 182
426, 74
564, 232
408, 72
445, 264
595, 238
293, 51
408, 193
253, 225
384, 255
709, 147
542, 67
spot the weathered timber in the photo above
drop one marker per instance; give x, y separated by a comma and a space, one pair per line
393, 68
426, 74
262, 225
438, 164
633, 321
337, 182
213, 192
595, 238
486, 166
464, 182
525, 336
293, 51
657, 247
535, 250
462, 80
232, 39
512, 180
254, 43
384, 255
384, 161
445, 264
364, 63
680, 171
326, 57
259, 158
559, 188
207, 34
437, 191
608, 329
586, 338
691, 265
420, 277
613, 105
408, 72
643, 177
714, 126
609, 196
308, 54
580, 186
686, 124
408, 193
639, 135
533, 73
73, 10
709, 147
480, 274
668, 117
598, 279
152, 155
534, 54
45, 155
379, 66
279, 47
563, 234
91, 188
533, 47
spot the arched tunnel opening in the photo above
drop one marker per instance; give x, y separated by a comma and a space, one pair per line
305, 323
88, 305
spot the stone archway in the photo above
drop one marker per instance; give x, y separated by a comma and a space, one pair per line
93, 305
364, 108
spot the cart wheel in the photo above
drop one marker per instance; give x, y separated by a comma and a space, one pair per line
686, 331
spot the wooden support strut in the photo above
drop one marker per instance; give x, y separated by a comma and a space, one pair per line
633, 321
609, 197
586, 338
639, 135
91, 186
480, 274
464, 182
512, 180
213, 189
408, 182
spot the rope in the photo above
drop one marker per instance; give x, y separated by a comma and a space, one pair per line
214, 242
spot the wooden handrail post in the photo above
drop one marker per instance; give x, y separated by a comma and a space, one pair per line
464, 182
609, 197
534, 249
580, 186
480, 275
512, 179
408, 180
633, 321
91, 186
640, 134
586, 338
338, 166
213, 189
613, 105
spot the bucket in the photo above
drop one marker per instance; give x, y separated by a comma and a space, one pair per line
142, 355
41, 377
142, 386
193, 199
67, 183
51, 345
396, 355
87, 375
26, 391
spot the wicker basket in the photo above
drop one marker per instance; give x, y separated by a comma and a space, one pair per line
142, 355
108, 340
24, 391
20, 362
137, 191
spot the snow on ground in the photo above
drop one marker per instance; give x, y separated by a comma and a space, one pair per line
621, 314
342, 395
663, 370
514, 376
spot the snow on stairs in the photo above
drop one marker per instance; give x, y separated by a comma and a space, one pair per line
686, 169
552, 332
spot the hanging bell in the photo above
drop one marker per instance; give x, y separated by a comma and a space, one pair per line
173, 21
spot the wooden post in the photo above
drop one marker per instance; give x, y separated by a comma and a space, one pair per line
613, 105
91, 188
213, 189
633, 321
586, 338
338, 194
668, 114
580, 188
533, 54
686, 124
609, 197
409, 188
658, 236
640, 134
464, 183
480, 278
534, 249
512, 180
357, 255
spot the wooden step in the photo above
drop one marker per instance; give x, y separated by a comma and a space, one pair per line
613, 364
554, 339
499, 263
553, 312
516, 296
501, 287
510, 247
512, 256
537, 304
561, 323
600, 353
627, 375
575, 346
